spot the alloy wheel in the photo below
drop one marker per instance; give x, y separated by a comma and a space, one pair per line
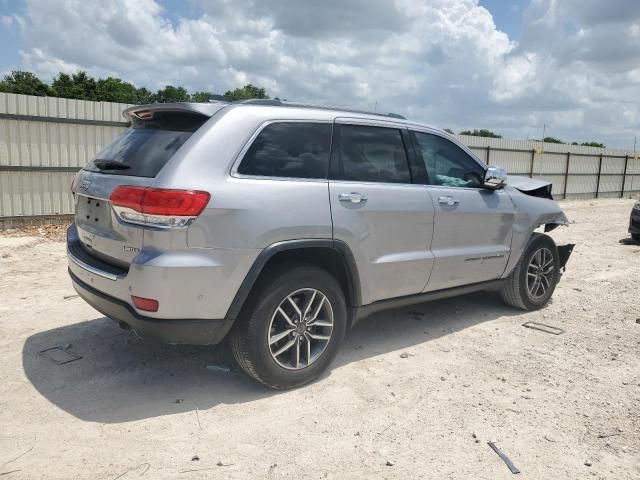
300, 328
540, 273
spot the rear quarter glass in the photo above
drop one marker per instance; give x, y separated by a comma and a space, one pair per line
146, 147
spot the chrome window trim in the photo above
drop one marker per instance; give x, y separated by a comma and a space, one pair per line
387, 184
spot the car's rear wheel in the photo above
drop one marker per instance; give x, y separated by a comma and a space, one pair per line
533, 280
293, 327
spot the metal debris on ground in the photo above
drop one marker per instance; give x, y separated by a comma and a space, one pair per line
19, 456
69, 297
59, 355
140, 469
196, 470
504, 458
9, 472
543, 327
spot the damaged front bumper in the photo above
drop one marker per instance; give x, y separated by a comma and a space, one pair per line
564, 252
634, 221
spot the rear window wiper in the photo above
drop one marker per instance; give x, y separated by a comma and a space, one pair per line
104, 164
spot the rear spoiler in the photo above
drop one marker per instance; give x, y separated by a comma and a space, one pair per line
206, 109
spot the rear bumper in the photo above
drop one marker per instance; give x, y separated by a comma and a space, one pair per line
188, 331
187, 283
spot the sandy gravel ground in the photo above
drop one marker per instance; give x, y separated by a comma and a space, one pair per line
471, 373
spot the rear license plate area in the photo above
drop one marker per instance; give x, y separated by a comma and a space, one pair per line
93, 212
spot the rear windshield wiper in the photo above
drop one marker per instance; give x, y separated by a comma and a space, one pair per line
104, 164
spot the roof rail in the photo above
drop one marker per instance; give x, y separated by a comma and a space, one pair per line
280, 103
216, 98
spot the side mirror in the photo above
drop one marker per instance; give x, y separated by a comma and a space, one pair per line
495, 178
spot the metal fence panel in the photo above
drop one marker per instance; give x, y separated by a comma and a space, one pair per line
43, 140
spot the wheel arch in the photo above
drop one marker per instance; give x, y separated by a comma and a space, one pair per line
331, 255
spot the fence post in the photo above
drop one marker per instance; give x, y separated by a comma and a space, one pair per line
533, 156
599, 172
566, 175
488, 153
624, 175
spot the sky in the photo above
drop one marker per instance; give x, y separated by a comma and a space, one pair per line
511, 66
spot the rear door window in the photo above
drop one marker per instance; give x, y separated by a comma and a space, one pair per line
289, 150
370, 154
146, 147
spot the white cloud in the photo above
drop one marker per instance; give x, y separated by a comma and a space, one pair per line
439, 61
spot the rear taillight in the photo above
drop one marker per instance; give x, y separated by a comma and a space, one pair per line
159, 207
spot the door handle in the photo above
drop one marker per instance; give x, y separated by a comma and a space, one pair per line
450, 201
352, 197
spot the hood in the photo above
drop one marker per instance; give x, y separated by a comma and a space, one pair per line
530, 186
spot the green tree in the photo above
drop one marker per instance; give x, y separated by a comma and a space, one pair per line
448, 130
113, 89
171, 94
25, 83
200, 97
63, 86
552, 140
145, 96
81, 86
481, 133
78, 85
247, 92
594, 144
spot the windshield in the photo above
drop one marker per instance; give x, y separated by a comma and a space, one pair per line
147, 146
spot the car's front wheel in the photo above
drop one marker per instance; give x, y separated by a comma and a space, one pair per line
293, 327
536, 275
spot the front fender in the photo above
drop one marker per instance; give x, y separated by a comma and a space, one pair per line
530, 213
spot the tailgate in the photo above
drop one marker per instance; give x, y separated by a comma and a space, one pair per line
133, 159
99, 230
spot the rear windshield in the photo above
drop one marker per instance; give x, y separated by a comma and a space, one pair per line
143, 149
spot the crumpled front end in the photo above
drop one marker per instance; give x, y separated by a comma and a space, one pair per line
534, 207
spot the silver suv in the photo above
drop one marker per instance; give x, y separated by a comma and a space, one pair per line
277, 226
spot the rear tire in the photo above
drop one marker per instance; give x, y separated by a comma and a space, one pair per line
276, 320
533, 280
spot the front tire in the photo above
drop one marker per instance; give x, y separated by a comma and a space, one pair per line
534, 279
293, 327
